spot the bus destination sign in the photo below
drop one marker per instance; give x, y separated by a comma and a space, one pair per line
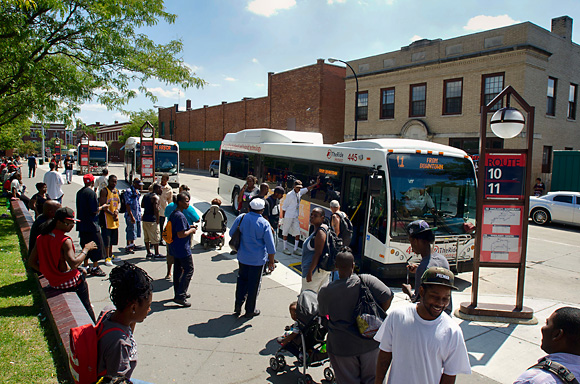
504, 175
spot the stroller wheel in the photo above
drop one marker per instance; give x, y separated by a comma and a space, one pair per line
206, 246
281, 362
274, 364
329, 375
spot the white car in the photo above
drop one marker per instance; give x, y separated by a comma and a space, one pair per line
559, 207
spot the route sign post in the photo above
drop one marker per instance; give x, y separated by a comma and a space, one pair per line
84, 154
504, 184
147, 153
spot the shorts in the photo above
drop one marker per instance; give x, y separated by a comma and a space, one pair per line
87, 237
133, 230
110, 237
319, 279
151, 232
291, 226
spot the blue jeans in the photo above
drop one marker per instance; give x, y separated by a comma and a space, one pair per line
248, 286
133, 230
182, 274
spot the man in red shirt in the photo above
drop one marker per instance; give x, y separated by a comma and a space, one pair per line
54, 257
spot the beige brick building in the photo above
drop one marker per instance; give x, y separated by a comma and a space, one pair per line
434, 89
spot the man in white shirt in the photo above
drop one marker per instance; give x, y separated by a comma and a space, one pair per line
419, 342
290, 213
102, 181
53, 181
561, 340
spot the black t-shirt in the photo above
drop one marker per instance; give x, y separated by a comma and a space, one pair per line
148, 208
87, 205
68, 165
40, 201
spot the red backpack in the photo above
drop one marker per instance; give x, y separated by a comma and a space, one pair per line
83, 351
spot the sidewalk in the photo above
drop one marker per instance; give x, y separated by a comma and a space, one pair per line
207, 344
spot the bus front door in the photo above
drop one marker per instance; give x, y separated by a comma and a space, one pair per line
354, 204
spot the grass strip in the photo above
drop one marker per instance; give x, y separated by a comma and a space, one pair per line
28, 347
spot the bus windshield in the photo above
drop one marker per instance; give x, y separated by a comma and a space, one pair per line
440, 190
98, 156
166, 162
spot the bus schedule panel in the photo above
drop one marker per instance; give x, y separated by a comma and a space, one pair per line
501, 240
84, 155
504, 175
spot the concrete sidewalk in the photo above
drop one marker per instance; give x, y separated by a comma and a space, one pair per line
206, 343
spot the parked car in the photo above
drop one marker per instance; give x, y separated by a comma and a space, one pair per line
559, 207
214, 168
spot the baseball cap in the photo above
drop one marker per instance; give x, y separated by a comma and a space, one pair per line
65, 213
279, 189
297, 183
88, 178
138, 181
257, 204
439, 276
419, 226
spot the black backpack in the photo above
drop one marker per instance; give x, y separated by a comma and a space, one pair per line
557, 369
333, 245
345, 228
122, 204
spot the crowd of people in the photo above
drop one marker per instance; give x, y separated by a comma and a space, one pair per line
417, 343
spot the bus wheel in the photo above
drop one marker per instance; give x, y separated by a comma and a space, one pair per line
235, 201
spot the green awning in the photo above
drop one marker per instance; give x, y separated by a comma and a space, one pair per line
200, 145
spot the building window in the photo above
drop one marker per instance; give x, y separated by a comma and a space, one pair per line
363, 106
547, 159
452, 96
418, 100
492, 85
551, 102
162, 128
471, 144
388, 103
34, 134
572, 98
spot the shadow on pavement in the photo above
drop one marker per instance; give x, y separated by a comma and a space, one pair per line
224, 326
221, 257
481, 353
162, 285
228, 278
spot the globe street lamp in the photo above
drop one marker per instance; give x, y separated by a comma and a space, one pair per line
331, 60
507, 123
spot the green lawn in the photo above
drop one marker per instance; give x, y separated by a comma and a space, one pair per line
28, 352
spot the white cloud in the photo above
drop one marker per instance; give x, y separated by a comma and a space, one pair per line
230, 79
416, 38
168, 93
482, 22
269, 7
255, 61
335, 1
194, 68
93, 107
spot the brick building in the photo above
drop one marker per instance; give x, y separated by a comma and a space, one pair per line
434, 89
309, 99
111, 133
51, 130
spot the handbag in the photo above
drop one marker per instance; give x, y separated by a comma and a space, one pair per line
369, 315
236, 237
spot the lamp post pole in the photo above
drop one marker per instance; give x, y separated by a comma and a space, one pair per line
355, 97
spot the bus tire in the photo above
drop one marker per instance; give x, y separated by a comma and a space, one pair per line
235, 195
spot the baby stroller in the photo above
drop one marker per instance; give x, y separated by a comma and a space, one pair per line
213, 225
310, 347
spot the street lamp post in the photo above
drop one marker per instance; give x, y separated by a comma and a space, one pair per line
331, 60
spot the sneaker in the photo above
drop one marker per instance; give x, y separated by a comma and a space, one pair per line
158, 256
250, 315
162, 243
287, 251
117, 259
149, 256
129, 251
183, 303
168, 277
97, 271
188, 295
108, 262
237, 311
298, 252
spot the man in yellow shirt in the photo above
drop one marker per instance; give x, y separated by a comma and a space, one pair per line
110, 222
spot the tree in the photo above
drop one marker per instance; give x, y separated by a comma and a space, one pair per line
137, 121
57, 54
25, 148
11, 136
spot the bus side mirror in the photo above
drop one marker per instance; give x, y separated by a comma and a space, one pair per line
181, 167
376, 183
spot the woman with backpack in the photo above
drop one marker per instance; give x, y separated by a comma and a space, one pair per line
313, 277
131, 292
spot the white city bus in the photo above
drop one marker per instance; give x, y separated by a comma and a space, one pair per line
382, 184
166, 160
98, 157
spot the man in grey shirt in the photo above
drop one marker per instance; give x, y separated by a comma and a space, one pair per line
353, 357
421, 237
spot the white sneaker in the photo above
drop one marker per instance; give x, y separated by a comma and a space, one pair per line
108, 262
298, 252
116, 259
287, 251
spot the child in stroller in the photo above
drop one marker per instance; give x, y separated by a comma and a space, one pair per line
305, 339
213, 224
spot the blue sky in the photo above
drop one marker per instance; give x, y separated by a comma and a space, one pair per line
233, 44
